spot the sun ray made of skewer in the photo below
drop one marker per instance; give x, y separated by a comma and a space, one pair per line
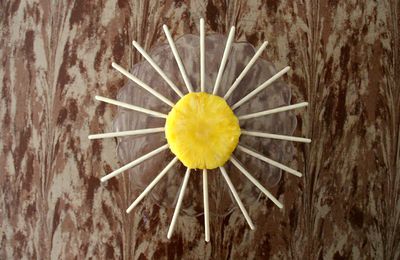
182, 96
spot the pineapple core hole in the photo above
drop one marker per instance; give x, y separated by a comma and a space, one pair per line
202, 131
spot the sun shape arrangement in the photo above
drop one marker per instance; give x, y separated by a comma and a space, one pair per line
201, 129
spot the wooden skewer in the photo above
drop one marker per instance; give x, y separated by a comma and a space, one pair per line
134, 163
202, 55
142, 84
131, 107
255, 182
273, 111
261, 87
270, 161
157, 68
237, 198
206, 207
225, 56
127, 133
179, 203
151, 185
178, 59
246, 69
274, 136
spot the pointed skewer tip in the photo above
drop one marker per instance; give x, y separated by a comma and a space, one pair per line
263, 46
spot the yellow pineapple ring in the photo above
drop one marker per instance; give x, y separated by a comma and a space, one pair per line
202, 131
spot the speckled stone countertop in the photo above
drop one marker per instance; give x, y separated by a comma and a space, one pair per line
56, 56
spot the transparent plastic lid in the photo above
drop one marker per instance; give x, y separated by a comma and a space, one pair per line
278, 94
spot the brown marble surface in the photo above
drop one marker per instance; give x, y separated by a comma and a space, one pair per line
55, 57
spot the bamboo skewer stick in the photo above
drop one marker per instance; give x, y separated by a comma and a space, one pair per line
206, 207
151, 185
274, 136
142, 84
270, 161
134, 163
179, 203
237, 198
127, 133
273, 111
245, 70
255, 182
157, 68
178, 59
131, 107
202, 55
261, 87
224, 60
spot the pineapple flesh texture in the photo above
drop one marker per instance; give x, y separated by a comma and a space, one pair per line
202, 131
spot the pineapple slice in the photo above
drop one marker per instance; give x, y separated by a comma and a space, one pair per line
202, 131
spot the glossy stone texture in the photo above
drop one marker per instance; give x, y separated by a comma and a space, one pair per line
56, 56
